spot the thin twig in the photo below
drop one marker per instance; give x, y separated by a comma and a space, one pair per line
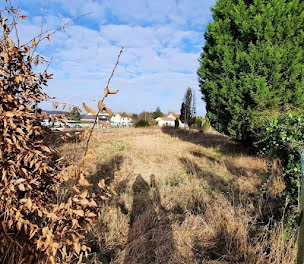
49, 63
14, 22
121, 50
42, 18
95, 121
55, 30
41, 27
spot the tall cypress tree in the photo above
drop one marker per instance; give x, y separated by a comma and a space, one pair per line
186, 108
252, 64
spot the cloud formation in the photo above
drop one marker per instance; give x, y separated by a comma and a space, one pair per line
162, 41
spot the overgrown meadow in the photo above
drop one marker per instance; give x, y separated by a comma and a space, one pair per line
136, 195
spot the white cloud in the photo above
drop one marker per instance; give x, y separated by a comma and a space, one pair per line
159, 61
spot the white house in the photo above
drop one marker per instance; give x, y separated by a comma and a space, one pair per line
165, 121
168, 120
121, 120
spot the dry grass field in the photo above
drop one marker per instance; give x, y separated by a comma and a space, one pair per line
182, 198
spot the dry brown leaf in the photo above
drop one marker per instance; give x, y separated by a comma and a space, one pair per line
91, 215
10, 42
9, 114
85, 107
33, 42
21, 187
83, 181
80, 258
101, 106
77, 247
79, 212
18, 226
101, 184
104, 123
113, 92
108, 110
92, 111
55, 105
106, 91
46, 149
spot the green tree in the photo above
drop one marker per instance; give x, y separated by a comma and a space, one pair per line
75, 114
186, 108
147, 116
141, 123
252, 64
157, 113
251, 76
135, 117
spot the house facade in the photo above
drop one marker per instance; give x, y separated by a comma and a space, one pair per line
121, 120
169, 120
165, 121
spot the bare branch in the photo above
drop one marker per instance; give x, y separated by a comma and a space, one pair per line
41, 28
53, 31
95, 121
121, 50
42, 18
14, 22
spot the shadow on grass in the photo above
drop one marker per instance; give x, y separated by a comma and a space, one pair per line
106, 171
227, 187
271, 208
244, 171
208, 140
231, 166
150, 238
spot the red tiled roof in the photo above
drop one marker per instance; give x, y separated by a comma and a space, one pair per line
167, 118
124, 115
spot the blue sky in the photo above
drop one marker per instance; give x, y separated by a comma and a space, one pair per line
162, 40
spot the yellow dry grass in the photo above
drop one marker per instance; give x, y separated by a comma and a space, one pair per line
181, 198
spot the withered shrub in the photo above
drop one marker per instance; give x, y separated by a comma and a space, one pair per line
36, 226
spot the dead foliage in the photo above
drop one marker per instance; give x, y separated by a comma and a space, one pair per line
40, 220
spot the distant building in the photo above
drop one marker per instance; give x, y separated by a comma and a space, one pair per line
169, 120
165, 121
104, 116
173, 115
88, 120
122, 120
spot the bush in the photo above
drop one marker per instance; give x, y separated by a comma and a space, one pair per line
198, 121
153, 123
206, 125
281, 136
41, 221
142, 123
